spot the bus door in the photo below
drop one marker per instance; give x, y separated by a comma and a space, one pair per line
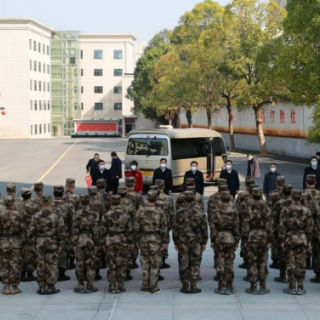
219, 153
210, 171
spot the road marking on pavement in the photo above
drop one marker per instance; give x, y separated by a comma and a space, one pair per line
54, 165
115, 302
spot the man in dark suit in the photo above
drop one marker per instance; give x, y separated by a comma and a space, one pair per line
269, 182
196, 175
116, 171
314, 168
92, 167
163, 173
232, 178
103, 173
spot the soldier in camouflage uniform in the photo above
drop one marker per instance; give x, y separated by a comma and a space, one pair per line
117, 232
103, 196
225, 236
12, 240
151, 236
128, 206
28, 256
277, 209
135, 197
258, 236
38, 188
190, 236
85, 240
47, 234
11, 191
64, 208
315, 211
295, 233
274, 196
70, 195
198, 197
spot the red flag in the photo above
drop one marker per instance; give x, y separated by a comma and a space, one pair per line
88, 181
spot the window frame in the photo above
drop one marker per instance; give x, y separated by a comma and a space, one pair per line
96, 56
96, 106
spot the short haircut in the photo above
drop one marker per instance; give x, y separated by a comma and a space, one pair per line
163, 159
318, 153
134, 163
113, 154
97, 154
273, 164
313, 158
193, 162
229, 161
58, 193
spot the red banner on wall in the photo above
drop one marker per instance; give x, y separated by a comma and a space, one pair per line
85, 127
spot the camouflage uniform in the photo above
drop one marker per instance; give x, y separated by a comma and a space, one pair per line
70, 195
151, 233
47, 233
38, 189
66, 210
85, 237
258, 233
117, 232
13, 238
135, 197
190, 236
103, 196
277, 209
11, 191
225, 236
28, 256
316, 241
295, 233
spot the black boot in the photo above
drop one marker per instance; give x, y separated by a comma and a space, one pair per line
134, 265
98, 276
165, 265
30, 277
72, 265
309, 264
243, 265
160, 277
23, 277
103, 263
129, 277
62, 275
274, 264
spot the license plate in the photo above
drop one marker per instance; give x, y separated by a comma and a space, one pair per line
147, 173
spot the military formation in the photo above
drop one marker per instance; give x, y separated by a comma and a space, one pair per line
101, 230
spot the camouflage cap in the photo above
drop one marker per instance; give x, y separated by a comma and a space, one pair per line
101, 183
160, 183
287, 188
223, 187
188, 195
191, 188
46, 200
155, 188
190, 181
38, 186
225, 195
85, 199
11, 187
254, 186
256, 192
222, 182
130, 182
58, 189
311, 178
280, 180
92, 190
122, 190
25, 192
250, 180
152, 195
70, 182
115, 199
296, 194
8, 201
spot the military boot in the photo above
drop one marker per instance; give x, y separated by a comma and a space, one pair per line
15, 290
229, 288
98, 276
193, 288
91, 289
160, 277
72, 265
52, 290
243, 265
301, 291
30, 277
185, 288
80, 288
274, 264
128, 277
252, 290
134, 265
62, 275
6, 290
42, 288
121, 288
23, 277
316, 278
165, 265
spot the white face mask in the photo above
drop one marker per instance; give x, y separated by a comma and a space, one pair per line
163, 165
194, 169
273, 169
102, 167
134, 168
229, 167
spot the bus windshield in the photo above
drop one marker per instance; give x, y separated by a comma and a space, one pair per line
147, 146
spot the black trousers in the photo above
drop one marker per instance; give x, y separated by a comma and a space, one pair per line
115, 185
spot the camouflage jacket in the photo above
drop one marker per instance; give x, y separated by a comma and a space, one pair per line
104, 199
73, 198
243, 209
66, 210
116, 226
29, 208
316, 216
128, 206
150, 225
309, 196
47, 230
170, 208
136, 198
190, 226
12, 230
276, 213
242, 196
296, 225
37, 199
85, 228
257, 223
198, 199
274, 196
96, 206
224, 227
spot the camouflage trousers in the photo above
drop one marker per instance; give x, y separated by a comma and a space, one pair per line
258, 263
28, 259
150, 259
189, 259
224, 258
117, 263
10, 266
165, 253
274, 253
316, 257
243, 250
47, 268
133, 255
282, 261
63, 259
296, 265
85, 268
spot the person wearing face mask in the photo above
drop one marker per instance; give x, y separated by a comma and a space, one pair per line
103, 173
163, 173
314, 168
92, 167
196, 175
253, 169
269, 182
134, 172
232, 178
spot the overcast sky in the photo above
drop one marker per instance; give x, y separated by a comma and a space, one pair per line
142, 18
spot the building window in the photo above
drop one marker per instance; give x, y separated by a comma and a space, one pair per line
39, 67
44, 128
30, 85
31, 105
81, 105
81, 72
35, 105
72, 60
30, 65
34, 46
98, 72
48, 50
48, 87
44, 68
39, 85
48, 127
30, 44
117, 90
44, 86
40, 105
75, 106
39, 47
81, 89
98, 106
44, 49
81, 54
117, 54
44, 105
117, 72
31, 131
40, 129
117, 106
35, 66
35, 85
98, 89
35, 129
48, 69
49, 108
98, 54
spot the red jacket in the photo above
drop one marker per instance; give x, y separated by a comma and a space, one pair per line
138, 186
